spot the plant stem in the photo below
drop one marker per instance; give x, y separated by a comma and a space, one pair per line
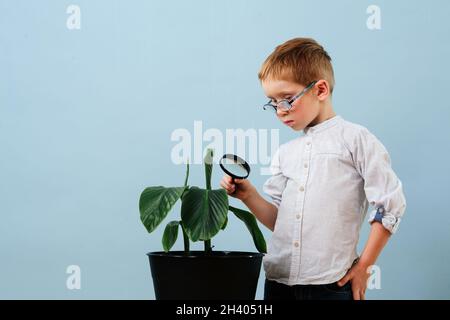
208, 245
185, 240
187, 174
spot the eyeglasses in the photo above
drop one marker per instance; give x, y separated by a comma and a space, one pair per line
286, 105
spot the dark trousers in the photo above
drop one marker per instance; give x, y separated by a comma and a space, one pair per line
278, 291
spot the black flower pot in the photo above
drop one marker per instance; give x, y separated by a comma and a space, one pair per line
218, 275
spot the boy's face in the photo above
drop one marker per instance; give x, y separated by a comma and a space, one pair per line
304, 110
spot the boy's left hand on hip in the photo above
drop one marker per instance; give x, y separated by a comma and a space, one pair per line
358, 277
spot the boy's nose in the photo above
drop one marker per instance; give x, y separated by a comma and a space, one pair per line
281, 112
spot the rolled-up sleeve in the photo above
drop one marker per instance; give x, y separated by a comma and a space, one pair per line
382, 186
275, 185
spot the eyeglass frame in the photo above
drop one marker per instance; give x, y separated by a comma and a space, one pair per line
291, 101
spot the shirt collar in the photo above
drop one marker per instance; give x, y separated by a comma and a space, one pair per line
322, 126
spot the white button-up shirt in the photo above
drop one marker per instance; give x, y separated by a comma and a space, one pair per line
322, 184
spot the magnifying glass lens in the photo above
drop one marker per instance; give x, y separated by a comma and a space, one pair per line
236, 168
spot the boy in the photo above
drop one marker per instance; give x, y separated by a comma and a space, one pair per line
321, 185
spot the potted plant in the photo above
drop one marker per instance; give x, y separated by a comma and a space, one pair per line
204, 274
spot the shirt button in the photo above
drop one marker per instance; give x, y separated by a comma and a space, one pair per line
302, 189
298, 217
296, 244
308, 143
306, 165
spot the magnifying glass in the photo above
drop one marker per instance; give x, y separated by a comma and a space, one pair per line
234, 166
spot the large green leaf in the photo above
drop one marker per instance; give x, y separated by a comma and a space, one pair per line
203, 212
250, 221
170, 235
225, 223
155, 203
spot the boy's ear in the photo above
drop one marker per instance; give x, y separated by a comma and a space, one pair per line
322, 90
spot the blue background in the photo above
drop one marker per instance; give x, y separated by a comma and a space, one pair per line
86, 118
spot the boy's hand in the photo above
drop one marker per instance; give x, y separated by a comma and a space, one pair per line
241, 188
358, 276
